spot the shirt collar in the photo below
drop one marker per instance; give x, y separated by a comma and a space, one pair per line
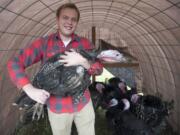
74, 36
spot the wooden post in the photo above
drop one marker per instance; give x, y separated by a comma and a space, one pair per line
94, 42
94, 35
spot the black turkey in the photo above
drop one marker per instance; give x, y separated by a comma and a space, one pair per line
126, 123
153, 111
68, 81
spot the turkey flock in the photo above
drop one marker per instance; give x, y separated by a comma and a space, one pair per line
128, 113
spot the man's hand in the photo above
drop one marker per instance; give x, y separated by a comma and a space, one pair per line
38, 95
73, 58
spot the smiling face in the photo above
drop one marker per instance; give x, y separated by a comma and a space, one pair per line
67, 22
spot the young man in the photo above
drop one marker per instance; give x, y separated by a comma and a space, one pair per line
61, 110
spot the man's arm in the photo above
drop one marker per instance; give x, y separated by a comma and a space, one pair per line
74, 58
16, 67
39, 95
26, 57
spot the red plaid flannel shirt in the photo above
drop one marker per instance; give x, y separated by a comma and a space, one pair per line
40, 50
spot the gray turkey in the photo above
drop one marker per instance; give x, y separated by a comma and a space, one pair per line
68, 81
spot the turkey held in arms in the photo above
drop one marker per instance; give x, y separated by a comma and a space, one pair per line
68, 81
